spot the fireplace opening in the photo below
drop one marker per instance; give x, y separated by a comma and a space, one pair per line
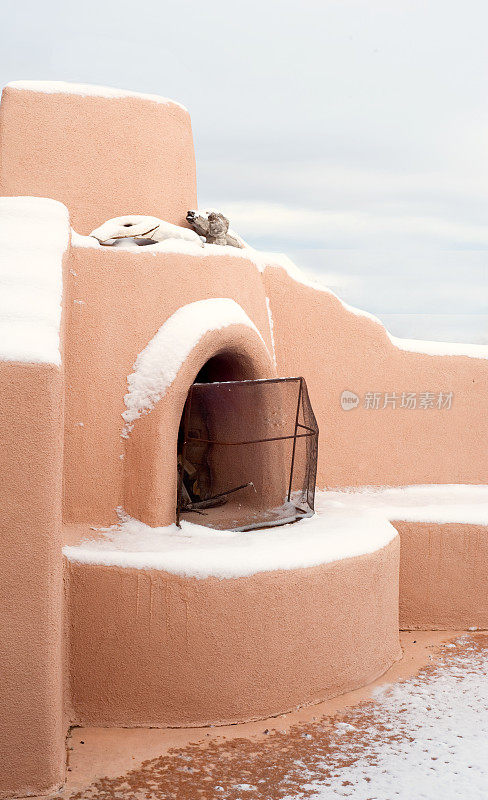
247, 450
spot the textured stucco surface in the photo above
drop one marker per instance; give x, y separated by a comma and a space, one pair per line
125, 298
443, 575
101, 157
32, 727
336, 350
151, 648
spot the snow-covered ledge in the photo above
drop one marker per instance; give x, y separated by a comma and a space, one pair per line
157, 366
436, 503
34, 234
88, 90
270, 260
169, 247
200, 552
346, 524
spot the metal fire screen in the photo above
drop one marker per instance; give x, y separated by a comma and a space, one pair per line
247, 454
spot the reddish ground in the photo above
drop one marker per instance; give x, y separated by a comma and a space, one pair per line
266, 760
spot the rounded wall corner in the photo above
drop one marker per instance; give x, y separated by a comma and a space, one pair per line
150, 473
88, 170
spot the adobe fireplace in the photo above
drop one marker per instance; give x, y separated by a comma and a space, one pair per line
247, 454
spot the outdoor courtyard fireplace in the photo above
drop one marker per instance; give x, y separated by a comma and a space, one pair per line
247, 454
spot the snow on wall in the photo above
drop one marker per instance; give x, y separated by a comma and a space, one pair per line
437, 503
176, 246
410, 345
158, 364
87, 90
34, 234
266, 260
271, 329
200, 552
439, 348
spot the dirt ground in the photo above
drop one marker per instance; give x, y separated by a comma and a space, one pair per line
263, 760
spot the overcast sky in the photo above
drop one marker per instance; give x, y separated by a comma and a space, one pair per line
352, 134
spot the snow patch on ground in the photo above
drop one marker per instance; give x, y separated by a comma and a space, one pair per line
200, 552
438, 503
424, 738
158, 364
88, 90
34, 234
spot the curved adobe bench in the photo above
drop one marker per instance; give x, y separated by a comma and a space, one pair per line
444, 550
195, 626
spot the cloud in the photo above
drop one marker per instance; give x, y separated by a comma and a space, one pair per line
274, 222
350, 132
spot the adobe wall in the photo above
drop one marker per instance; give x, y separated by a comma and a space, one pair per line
336, 349
32, 728
188, 660
443, 576
87, 151
125, 297
34, 235
116, 301
100, 156
150, 477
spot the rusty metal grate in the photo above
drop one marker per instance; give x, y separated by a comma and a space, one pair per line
247, 454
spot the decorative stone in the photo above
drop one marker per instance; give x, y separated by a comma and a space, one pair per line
215, 227
139, 227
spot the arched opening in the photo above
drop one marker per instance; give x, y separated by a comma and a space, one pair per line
226, 366
198, 483
247, 448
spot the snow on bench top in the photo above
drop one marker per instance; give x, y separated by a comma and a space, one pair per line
346, 524
200, 552
34, 234
88, 90
158, 364
437, 503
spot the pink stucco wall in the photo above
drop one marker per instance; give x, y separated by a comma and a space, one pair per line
125, 298
336, 350
199, 652
32, 722
102, 157
115, 303
443, 575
